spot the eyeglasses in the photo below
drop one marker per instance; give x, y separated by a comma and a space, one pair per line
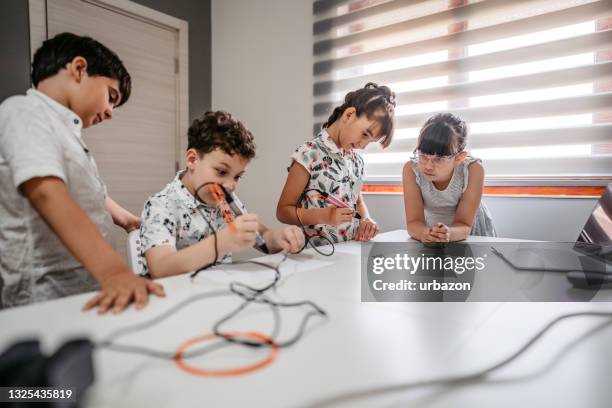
431, 158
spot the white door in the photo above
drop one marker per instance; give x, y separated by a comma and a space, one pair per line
137, 151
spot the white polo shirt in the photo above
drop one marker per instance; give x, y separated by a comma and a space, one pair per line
39, 137
174, 217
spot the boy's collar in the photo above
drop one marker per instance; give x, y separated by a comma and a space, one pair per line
185, 195
70, 118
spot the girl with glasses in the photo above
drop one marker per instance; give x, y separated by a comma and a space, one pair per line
443, 185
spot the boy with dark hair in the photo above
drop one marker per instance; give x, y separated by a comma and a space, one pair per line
179, 222
54, 208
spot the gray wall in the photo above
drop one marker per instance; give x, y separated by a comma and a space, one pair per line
262, 73
14, 37
15, 40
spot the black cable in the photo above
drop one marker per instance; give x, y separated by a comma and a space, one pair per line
248, 293
458, 379
109, 341
257, 293
307, 236
196, 198
256, 296
142, 326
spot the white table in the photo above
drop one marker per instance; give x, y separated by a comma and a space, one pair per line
401, 235
361, 345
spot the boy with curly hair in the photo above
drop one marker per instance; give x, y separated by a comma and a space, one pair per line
178, 223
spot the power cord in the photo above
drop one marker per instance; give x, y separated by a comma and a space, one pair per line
308, 237
477, 375
248, 293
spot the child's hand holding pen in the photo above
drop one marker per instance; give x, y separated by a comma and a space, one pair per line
290, 239
340, 212
339, 215
240, 234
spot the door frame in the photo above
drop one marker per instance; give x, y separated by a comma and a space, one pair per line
39, 33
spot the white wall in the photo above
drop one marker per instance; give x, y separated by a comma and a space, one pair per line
262, 73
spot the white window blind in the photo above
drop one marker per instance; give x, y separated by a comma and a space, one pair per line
532, 78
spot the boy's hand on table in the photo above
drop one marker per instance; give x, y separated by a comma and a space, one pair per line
120, 289
339, 215
367, 230
241, 235
290, 238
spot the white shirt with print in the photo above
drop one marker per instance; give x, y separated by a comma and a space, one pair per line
174, 217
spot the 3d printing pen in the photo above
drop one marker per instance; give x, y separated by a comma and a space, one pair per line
239, 209
334, 201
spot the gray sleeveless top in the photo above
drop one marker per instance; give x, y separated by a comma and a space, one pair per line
440, 206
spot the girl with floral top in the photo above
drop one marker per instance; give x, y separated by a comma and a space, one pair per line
329, 164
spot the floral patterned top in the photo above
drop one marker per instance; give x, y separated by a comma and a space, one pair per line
336, 172
174, 217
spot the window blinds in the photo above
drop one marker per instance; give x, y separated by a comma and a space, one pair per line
533, 79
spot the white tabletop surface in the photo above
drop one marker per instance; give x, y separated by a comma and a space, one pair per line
401, 235
360, 345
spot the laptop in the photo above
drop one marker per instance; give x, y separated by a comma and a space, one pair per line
592, 251
596, 236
